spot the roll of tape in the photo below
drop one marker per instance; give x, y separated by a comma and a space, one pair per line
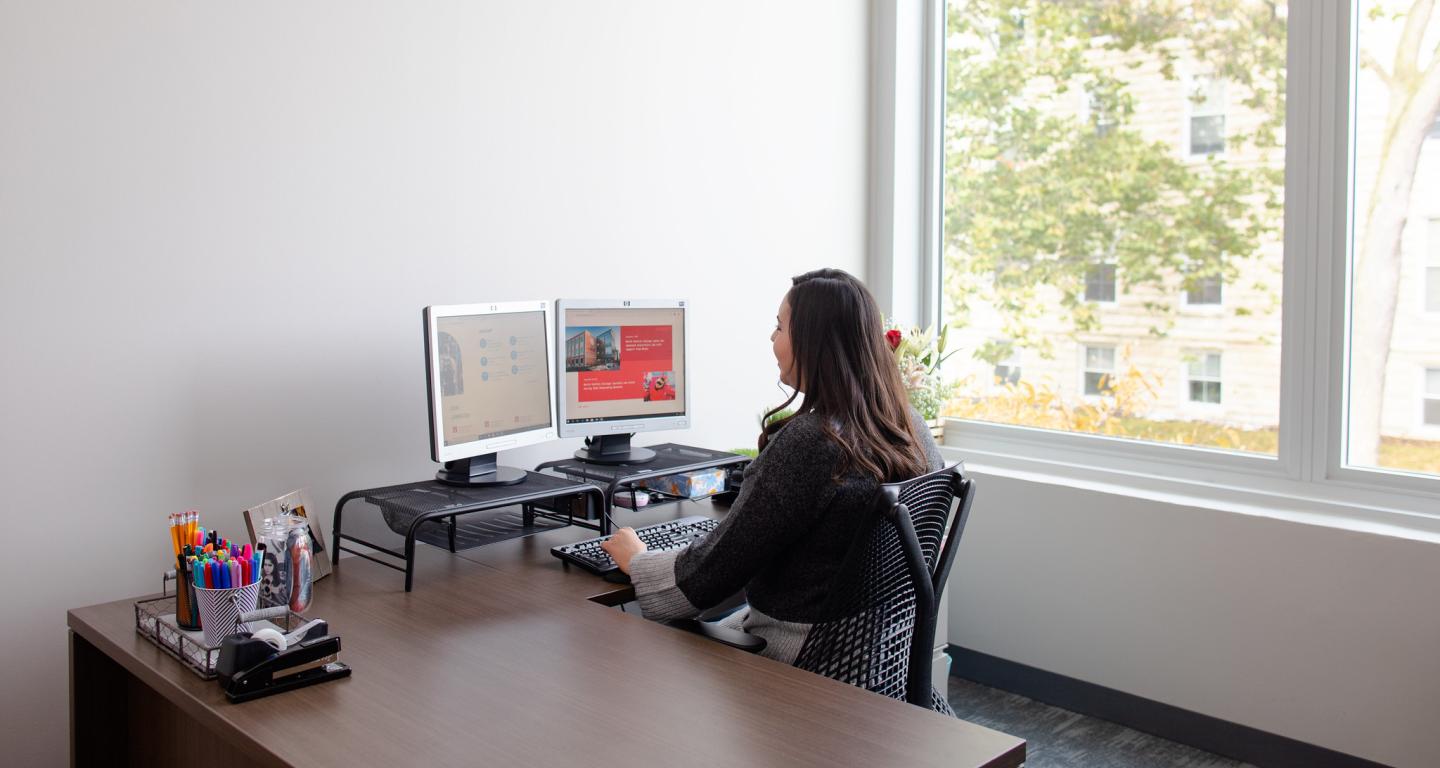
271, 636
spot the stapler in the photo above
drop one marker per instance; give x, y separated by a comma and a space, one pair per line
252, 666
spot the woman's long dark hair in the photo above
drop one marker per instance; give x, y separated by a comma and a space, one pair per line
849, 376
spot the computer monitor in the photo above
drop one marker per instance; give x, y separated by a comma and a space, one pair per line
489, 379
621, 370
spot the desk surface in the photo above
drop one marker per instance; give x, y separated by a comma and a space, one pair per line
504, 655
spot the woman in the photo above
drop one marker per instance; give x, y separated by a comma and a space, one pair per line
812, 487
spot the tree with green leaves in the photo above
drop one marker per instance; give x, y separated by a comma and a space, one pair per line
1036, 197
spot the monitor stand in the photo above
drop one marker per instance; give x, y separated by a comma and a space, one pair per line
479, 471
613, 449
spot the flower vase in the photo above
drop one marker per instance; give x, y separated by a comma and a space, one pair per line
937, 429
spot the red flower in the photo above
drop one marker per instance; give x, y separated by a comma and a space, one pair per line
892, 337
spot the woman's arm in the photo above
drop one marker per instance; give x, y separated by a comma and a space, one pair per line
785, 490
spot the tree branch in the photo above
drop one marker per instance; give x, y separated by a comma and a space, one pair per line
1417, 20
1368, 61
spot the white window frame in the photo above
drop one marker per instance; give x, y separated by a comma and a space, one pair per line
1114, 282
1013, 362
1093, 116
1426, 395
1190, 302
1187, 376
1306, 479
1192, 111
1086, 370
1205, 306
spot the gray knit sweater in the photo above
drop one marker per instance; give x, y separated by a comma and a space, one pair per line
784, 542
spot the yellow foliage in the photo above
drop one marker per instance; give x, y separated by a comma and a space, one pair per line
1127, 394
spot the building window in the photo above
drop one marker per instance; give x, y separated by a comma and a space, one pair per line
1432, 396
1007, 371
1099, 369
1102, 116
1203, 376
1100, 283
1432, 270
1203, 290
1207, 116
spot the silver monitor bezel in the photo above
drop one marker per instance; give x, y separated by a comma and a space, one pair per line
626, 425
431, 316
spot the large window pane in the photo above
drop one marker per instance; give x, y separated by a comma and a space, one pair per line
1394, 340
1117, 163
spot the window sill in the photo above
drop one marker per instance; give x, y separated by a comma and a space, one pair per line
1236, 483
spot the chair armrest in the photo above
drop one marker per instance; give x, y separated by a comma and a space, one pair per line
731, 637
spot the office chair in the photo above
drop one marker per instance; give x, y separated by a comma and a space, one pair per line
889, 591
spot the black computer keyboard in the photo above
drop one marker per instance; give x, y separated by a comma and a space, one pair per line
659, 537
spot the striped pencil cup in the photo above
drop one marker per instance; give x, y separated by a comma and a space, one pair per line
220, 610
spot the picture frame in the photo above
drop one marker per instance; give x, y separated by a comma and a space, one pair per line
298, 503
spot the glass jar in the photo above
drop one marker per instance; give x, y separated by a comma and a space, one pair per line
285, 567
298, 546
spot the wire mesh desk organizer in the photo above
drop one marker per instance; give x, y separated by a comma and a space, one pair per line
430, 511
670, 459
155, 621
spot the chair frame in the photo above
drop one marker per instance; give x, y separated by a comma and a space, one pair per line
929, 585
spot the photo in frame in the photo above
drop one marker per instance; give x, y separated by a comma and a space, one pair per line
296, 503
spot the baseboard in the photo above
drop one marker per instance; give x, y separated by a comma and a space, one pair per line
1211, 734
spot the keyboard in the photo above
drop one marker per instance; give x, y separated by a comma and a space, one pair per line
658, 538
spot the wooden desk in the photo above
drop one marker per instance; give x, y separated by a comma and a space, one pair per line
502, 657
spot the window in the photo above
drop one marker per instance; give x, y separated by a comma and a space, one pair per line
1203, 290
1100, 283
1102, 117
1432, 269
1203, 377
1007, 371
1207, 116
1388, 338
1432, 396
1099, 369
1024, 183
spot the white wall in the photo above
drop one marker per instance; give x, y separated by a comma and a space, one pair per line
219, 222
1319, 634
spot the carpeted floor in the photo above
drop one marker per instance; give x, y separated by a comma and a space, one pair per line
1059, 738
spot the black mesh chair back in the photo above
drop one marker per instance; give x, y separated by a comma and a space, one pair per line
893, 579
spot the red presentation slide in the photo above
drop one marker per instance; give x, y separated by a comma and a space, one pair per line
645, 352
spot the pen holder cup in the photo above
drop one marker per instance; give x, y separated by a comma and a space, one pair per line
220, 610
187, 610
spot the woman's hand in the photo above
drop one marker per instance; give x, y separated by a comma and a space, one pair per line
622, 546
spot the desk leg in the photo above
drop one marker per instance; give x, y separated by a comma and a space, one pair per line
409, 558
607, 508
452, 533
335, 538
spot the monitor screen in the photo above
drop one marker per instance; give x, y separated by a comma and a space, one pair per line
490, 376
621, 363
